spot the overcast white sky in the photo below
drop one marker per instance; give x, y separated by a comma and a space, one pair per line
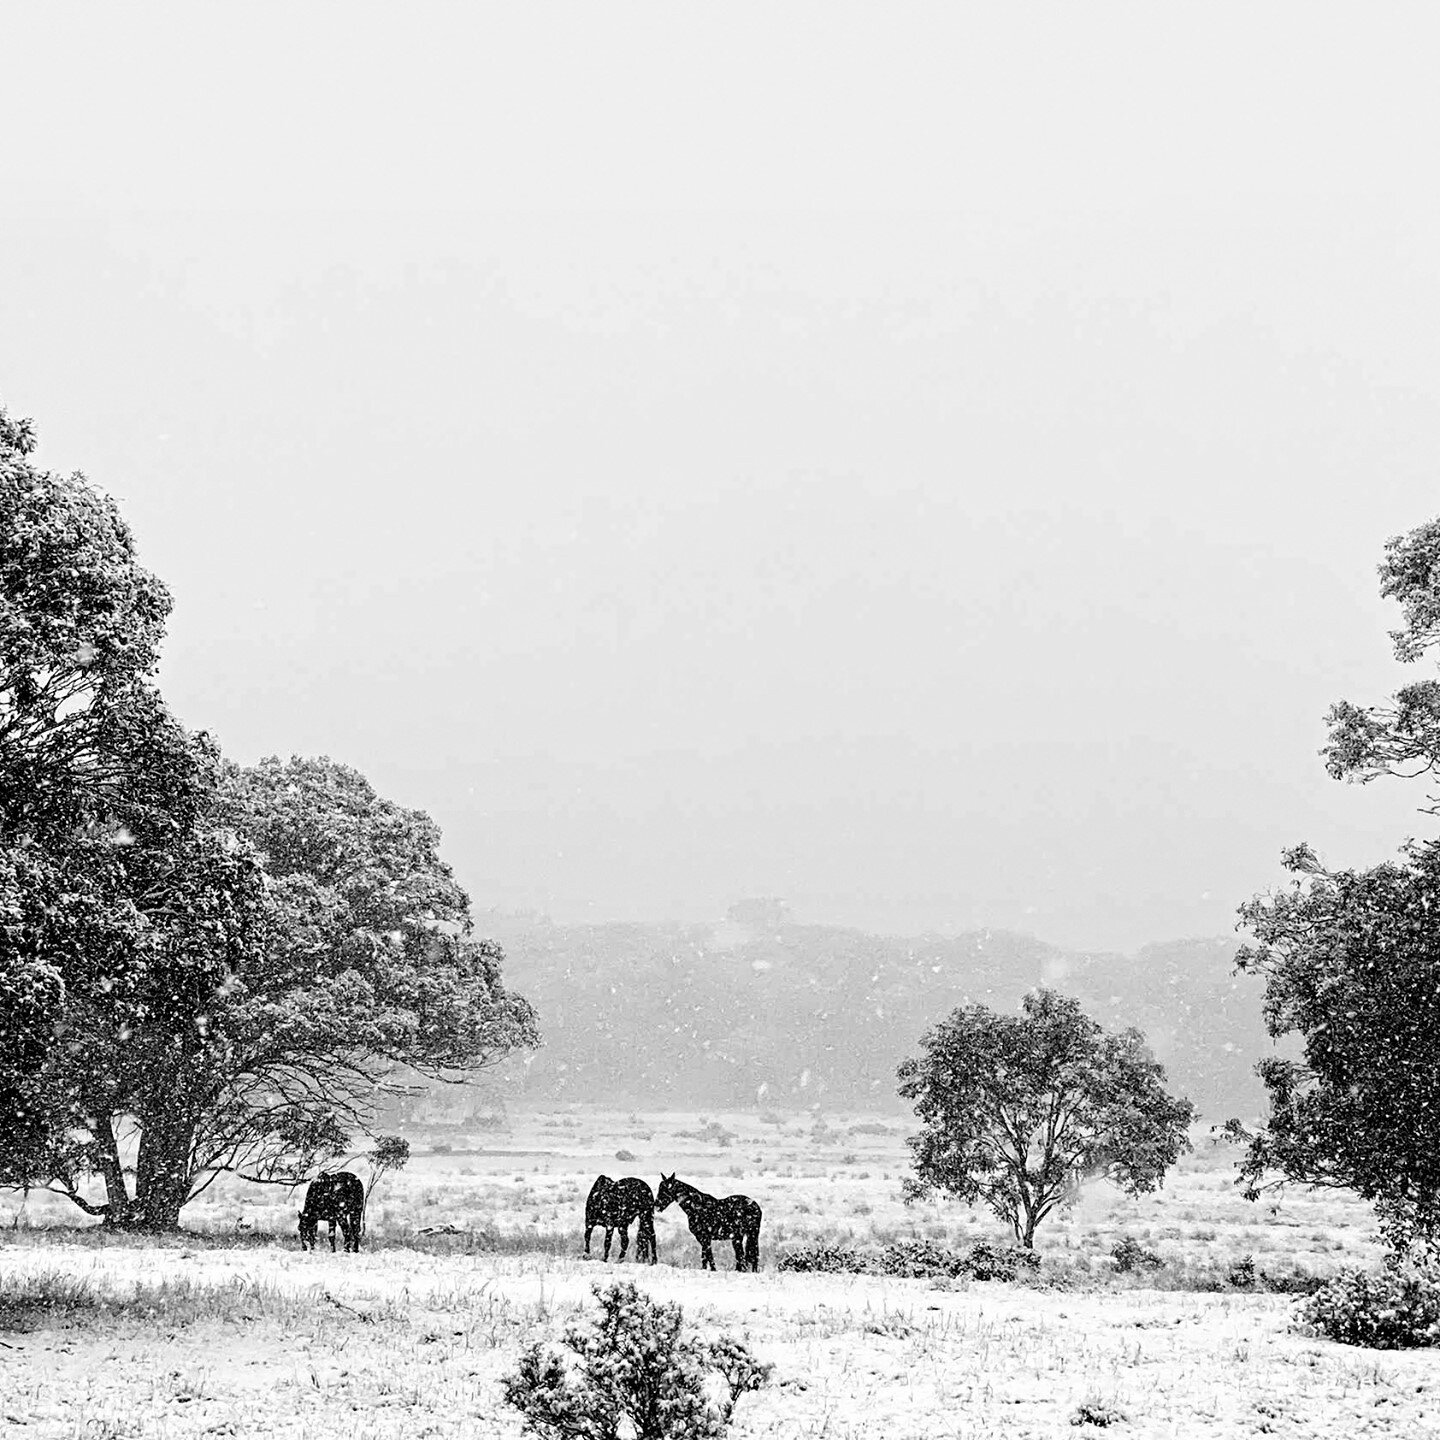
926, 462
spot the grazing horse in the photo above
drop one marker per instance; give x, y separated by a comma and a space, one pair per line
716, 1217
614, 1204
339, 1196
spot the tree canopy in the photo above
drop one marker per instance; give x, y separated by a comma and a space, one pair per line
95, 776
1018, 1110
322, 945
1400, 736
203, 968
1352, 963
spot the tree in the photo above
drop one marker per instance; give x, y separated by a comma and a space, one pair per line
1352, 965
315, 944
391, 1152
1018, 1110
1402, 736
1351, 961
96, 779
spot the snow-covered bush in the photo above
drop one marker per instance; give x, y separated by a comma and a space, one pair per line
827, 1259
1394, 1308
921, 1258
1000, 1262
634, 1374
1130, 1255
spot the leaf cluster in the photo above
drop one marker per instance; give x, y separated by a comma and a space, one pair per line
634, 1373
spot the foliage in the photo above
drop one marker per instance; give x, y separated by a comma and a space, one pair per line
921, 1259
1000, 1262
825, 1259
915, 1259
1097, 1412
1402, 736
1130, 1255
1018, 1110
317, 944
99, 788
390, 1152
1351, 961
636, 1373
1396, 1307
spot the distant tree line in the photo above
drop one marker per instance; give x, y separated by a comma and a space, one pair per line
205, 968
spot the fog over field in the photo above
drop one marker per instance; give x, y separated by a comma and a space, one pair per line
929, 467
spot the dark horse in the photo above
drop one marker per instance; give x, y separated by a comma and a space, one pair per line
716, 1217
340, 1197
614, 1204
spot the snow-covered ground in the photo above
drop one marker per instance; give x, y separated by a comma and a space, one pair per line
270, 1341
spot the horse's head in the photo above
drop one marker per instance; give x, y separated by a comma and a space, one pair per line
669, 1190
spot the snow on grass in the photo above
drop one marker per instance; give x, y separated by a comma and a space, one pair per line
268, 1340
237, 1332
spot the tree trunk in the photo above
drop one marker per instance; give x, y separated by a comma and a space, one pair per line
117, 1197
163, 1175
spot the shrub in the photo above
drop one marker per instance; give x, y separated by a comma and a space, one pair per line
635, 1373
828, 1259
1242, 1273
921, 1259
1000, 1262
625, 1155
1290, 1282
1394, 1308
709, 1133
1096, 1412
1130, 1255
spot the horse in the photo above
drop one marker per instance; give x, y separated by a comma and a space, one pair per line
716, 1217
614, 1204
339, 1196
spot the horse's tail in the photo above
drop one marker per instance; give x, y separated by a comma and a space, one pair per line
595, 1201
646, 1236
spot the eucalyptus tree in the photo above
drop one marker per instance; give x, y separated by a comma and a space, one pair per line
1018, 1110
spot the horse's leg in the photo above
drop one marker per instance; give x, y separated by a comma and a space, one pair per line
609, 1236
624, 1241
647, 1232
707, 1255
752, 1248
588, 1229
738, 1241
332, 1234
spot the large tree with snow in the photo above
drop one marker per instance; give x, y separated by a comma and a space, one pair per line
96, 779
1018, 1110
322, 954
203, 968
1351, 961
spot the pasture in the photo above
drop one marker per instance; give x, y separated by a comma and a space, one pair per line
232, 1330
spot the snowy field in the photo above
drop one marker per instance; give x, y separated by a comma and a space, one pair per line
239, 1333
